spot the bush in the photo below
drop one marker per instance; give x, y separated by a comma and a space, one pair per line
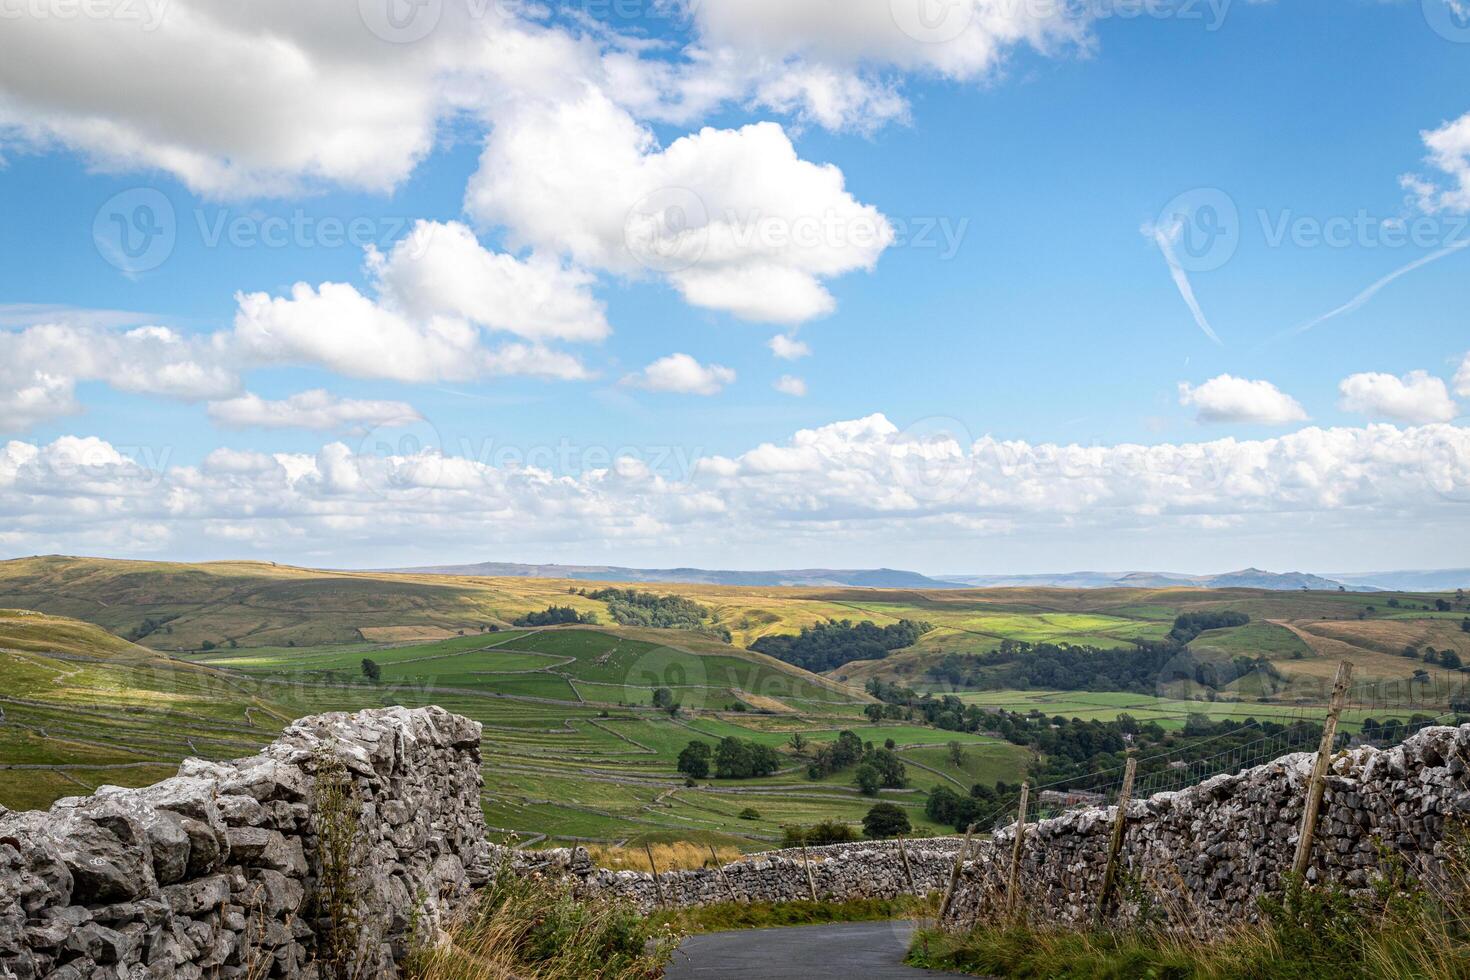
750, 813
886, 820
818, 834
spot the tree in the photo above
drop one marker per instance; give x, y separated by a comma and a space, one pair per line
798, 743
885, 820
869, 780
957, 754
1442, 605
371, 670
694, 760
663, 698
738, 759
1450, 659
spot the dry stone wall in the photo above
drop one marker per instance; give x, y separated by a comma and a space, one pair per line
215, 872
839, 872
1205, 855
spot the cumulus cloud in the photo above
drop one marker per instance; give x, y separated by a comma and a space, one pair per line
967, 39
434, 296
1416, 397
315, 409
788, 348
1230, 399
733, 219
682, 374
789, 384
848, 478
41, 365
1462, 377
1449, 153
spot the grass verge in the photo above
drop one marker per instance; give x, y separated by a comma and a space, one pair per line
728, 916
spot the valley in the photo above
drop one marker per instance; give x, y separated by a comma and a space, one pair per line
111, 672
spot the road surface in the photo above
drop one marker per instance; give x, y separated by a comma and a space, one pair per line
847, 950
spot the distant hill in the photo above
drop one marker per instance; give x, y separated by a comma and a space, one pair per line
875, 578
1247, 578
1443, 580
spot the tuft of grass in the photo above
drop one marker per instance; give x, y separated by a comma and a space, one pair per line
727, 916
533, 928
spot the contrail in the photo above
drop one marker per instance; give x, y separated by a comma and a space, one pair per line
1181, 279
1357, 301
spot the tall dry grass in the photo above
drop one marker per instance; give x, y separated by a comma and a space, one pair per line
677, 856
534, 928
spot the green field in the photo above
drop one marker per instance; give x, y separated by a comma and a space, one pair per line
572, 746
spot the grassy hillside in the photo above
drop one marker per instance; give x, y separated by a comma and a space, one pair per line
112, 681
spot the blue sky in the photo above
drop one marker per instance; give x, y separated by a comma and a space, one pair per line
1022, 170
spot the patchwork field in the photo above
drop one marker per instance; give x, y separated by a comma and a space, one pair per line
132, 666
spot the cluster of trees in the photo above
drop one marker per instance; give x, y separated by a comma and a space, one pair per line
733, 758
629, 607
1187, 626
878, 767
882, 821
557, 616
829, 645
1073, 752
1448, 659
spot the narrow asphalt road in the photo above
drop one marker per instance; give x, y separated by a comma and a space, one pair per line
847, 950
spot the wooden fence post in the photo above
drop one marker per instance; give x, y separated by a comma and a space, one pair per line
908, 872
658, 888
806, 863
723, 877
954, 874
1115, 846
1318, 784
1013, 888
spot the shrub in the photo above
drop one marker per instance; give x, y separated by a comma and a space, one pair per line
750, 813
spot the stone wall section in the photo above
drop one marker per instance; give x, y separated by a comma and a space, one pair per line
1203, 857
213, 873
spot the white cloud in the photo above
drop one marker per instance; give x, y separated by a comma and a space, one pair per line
853, 478
1416, 397
441, 270
967, 40
1449, 153
41, 365
1230, 399
733, 219
315, 409
1462, 377
682, 374
435, 293
789, 384
788, 348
